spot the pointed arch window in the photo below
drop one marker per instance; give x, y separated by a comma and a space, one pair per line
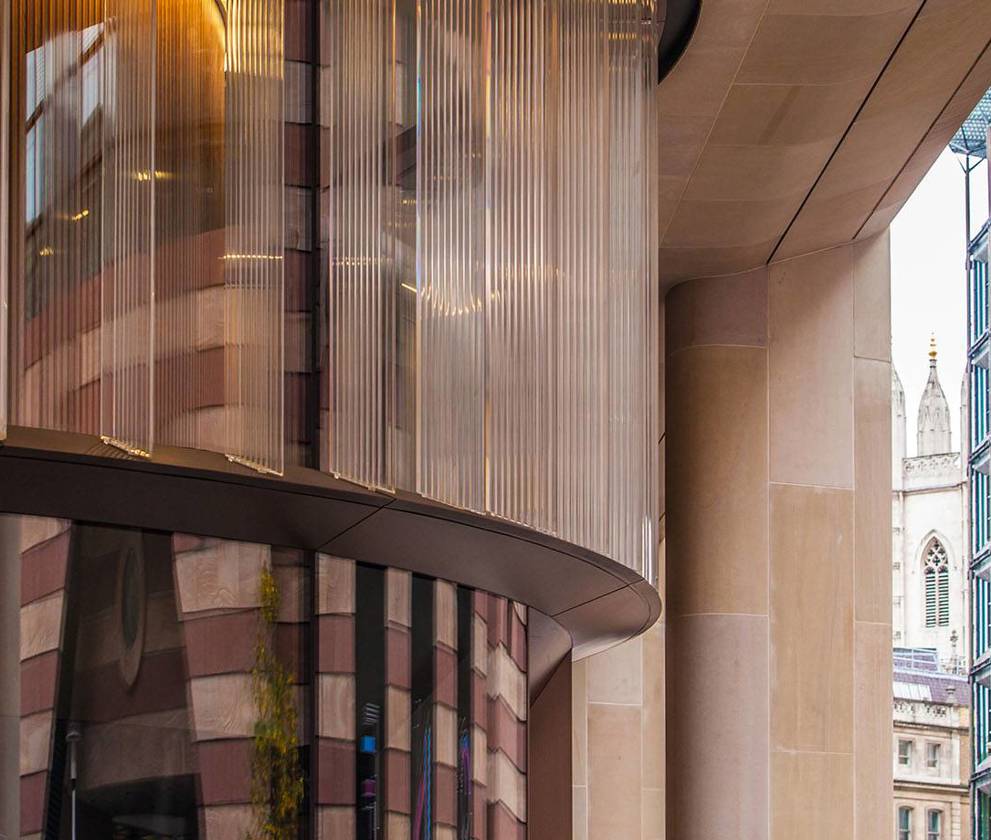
937, 582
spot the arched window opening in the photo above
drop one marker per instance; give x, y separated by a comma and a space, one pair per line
937, 582
904, 823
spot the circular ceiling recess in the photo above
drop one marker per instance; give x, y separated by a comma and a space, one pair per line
680, 19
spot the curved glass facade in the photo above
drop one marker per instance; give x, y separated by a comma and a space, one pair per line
492, 241
476, 318
146, 290
176, 686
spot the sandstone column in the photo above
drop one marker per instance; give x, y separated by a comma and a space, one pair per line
618, 722
778, 550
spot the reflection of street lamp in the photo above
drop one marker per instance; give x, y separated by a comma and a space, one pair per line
72, 738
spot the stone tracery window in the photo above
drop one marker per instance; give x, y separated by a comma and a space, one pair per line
937, 585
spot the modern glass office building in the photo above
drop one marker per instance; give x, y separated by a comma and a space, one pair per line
329, 340
970, 142
980, 529
370, 370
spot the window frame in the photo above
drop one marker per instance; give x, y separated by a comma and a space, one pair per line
907, 762
904, 826
938, 833
934, 750
935, 583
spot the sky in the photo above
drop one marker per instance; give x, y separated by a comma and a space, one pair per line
928, 285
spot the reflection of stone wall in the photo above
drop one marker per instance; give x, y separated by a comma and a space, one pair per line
217, 585
398, 619
445, 710
507, 715
189, 711
135, 725
45, 545
498, 708
335, 712
479, 714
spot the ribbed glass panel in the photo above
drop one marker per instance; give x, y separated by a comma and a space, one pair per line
189, 224
608, 342
520, 302
363, 270
253, 275
583, 356
5, 178
54, 292
127, 334
536, 279
633, 292
146, 242
451, 254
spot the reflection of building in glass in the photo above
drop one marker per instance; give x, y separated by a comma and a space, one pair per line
139, 714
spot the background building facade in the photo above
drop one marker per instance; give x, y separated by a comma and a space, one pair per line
931, 749
979, 400
930, 609
929, 523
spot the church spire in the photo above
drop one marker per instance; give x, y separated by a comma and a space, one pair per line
933, 431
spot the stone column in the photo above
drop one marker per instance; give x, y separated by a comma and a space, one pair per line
618, 736
618, 722
778, 550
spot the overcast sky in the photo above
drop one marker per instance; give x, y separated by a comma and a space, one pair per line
928, 283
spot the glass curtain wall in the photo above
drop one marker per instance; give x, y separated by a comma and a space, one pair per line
146, 223
160, 678
489, 219
980, 529
217, 689
421, 707
493, 292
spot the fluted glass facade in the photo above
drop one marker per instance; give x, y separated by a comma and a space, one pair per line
370, 97
145, 281
57, 51
122, 76
253, 275
493, 290
477, 319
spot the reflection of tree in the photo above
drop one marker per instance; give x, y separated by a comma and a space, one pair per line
277, 780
